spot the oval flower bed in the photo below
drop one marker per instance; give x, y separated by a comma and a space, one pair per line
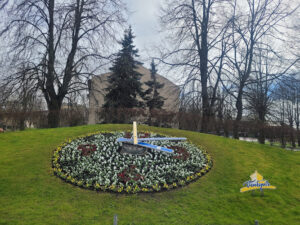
95, 162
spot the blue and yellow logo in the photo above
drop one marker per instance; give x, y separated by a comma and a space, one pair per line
257, 182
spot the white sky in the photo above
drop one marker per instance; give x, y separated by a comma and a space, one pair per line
144, 21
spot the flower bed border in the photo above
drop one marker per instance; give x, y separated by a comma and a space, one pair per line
130, 189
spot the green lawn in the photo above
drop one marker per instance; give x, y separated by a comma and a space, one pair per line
31, 194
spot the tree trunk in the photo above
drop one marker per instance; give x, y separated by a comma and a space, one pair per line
261, 136
239, 107
282, 137
298, 137
205, 98
292, 137
54, 113
22, 123
22, 118
23, 114
53, 118
202, 48
261, 125
204, 123
298, 133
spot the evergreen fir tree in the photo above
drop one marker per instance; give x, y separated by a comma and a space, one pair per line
152, 96
124, 82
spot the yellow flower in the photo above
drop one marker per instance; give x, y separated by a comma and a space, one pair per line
120, 189
136, 189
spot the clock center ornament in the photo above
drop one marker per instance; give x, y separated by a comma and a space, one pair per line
139, 146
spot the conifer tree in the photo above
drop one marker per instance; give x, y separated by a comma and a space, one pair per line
124, 82
152, 96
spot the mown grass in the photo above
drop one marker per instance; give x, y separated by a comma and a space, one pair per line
31, 194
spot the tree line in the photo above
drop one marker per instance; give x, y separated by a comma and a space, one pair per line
238, 60
237, 56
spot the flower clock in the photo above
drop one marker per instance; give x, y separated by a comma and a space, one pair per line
97, 162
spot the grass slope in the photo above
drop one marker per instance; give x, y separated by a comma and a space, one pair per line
31, 194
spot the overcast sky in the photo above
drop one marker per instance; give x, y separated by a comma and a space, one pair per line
144, 19
145, 22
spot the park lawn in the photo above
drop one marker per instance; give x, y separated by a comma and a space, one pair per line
31, 194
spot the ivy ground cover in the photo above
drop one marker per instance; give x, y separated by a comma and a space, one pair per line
96, 162
30, 193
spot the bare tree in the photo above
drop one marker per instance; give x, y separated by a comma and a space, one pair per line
297, 112
287, 94
282, 124
290, 117
292, 107
198, 30
294, 40
61, 41
251, 25
26, 95
21, 98
260, 90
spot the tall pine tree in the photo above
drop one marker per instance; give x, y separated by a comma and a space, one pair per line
152, 96
124, 82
